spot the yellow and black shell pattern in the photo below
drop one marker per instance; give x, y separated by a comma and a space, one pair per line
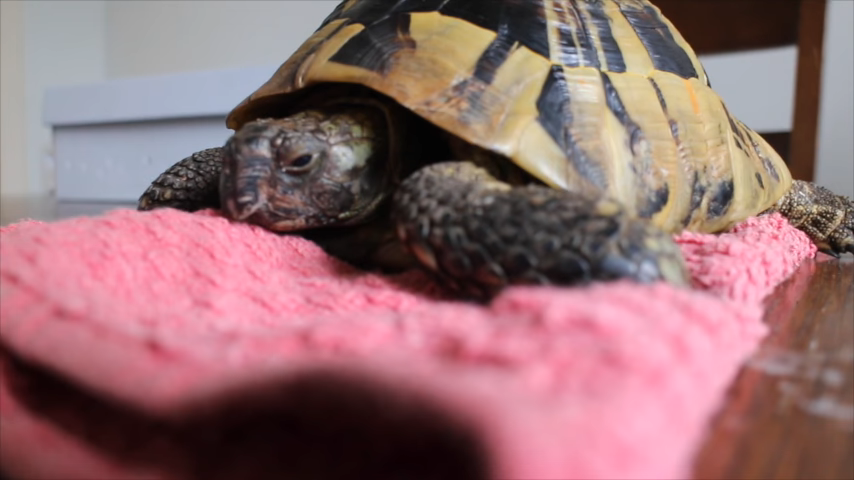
582, 94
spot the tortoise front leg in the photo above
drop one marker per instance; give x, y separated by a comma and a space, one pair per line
191, 184
480, 234
827, 218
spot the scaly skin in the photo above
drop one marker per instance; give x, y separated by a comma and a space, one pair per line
481, 234
827, 218
189, 185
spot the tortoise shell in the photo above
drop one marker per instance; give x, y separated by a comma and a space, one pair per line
582, 94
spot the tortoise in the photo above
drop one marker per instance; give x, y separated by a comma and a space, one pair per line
498, 142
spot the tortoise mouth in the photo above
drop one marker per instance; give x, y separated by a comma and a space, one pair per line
282, 223
277, 219
255, 202
256, 196
281, 213
265, 212
259, 198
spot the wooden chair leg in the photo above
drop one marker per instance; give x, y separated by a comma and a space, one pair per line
802, 150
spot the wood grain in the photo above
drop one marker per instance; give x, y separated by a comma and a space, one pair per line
780, 142
720, 26
807, 89
790, 413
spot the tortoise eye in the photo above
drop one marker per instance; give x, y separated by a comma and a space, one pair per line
299, 164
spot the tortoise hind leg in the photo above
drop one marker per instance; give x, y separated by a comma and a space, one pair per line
827, 218
481, 234
191, 184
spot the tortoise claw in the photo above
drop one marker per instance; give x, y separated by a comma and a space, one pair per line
832, 253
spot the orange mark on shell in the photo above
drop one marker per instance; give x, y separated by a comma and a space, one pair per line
694, 102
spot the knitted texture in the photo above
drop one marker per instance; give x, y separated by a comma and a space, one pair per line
174, 345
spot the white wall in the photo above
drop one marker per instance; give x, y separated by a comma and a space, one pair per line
14, 172
51, 42
63, 44
73, 41
835, 162
201, 35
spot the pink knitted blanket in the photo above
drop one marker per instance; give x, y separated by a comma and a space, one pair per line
176, 346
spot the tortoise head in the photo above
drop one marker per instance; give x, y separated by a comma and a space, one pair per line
308, 170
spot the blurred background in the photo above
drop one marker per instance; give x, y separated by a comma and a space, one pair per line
98, 97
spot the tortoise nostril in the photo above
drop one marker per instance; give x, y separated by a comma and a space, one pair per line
244, 204
249, 199
247, 196
245, 210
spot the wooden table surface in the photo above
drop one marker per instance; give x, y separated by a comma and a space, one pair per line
790, 412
